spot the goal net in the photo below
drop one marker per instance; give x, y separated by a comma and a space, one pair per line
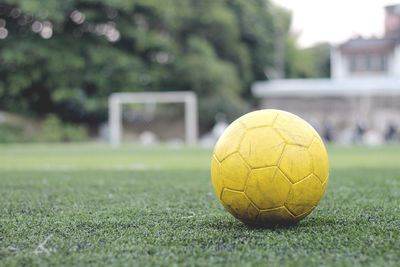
189, 99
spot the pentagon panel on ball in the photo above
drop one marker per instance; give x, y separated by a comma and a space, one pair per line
294, 130
269, 167
304, 195
295, 163
234, 172
268, 182
230, 140
259, 118
261, 147
239, 205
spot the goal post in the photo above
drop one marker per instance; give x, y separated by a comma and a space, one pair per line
116, 100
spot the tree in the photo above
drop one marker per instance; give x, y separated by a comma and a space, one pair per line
66, 57
312, 62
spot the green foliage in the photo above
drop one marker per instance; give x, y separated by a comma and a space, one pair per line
233, 107
215, 80
313, 62
12, 133
67, 57
74, 133
321, 57
140, 206
53, 130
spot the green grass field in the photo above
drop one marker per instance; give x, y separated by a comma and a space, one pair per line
87, 204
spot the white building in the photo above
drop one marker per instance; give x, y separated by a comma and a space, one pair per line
377, 57
364, 88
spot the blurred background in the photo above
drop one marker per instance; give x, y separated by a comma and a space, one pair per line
334, 63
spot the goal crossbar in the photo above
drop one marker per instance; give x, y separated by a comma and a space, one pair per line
188, 98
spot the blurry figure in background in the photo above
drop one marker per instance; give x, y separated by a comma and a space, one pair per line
328, 132
360, 131
220, 125
2, 117
391, 133
148, 138
373, 137
346, 136
104, 132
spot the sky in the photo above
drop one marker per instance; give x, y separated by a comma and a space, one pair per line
336, 21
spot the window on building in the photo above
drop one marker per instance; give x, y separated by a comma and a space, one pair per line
368, 63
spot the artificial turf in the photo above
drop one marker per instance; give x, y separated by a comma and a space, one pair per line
87, 204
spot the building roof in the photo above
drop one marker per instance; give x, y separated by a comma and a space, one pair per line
327, 87
368, 46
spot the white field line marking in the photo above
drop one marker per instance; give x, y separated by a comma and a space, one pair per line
41, 248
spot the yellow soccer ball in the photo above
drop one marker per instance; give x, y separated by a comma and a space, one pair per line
269, 167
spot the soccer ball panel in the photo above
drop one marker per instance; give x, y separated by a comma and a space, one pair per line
301, 216
296, 163
304, 195
217, 182
229, 141
276, 215
259, 118
267, 188
262, 147
234, 172
325, 185
238, 205
294, 130
320, 159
